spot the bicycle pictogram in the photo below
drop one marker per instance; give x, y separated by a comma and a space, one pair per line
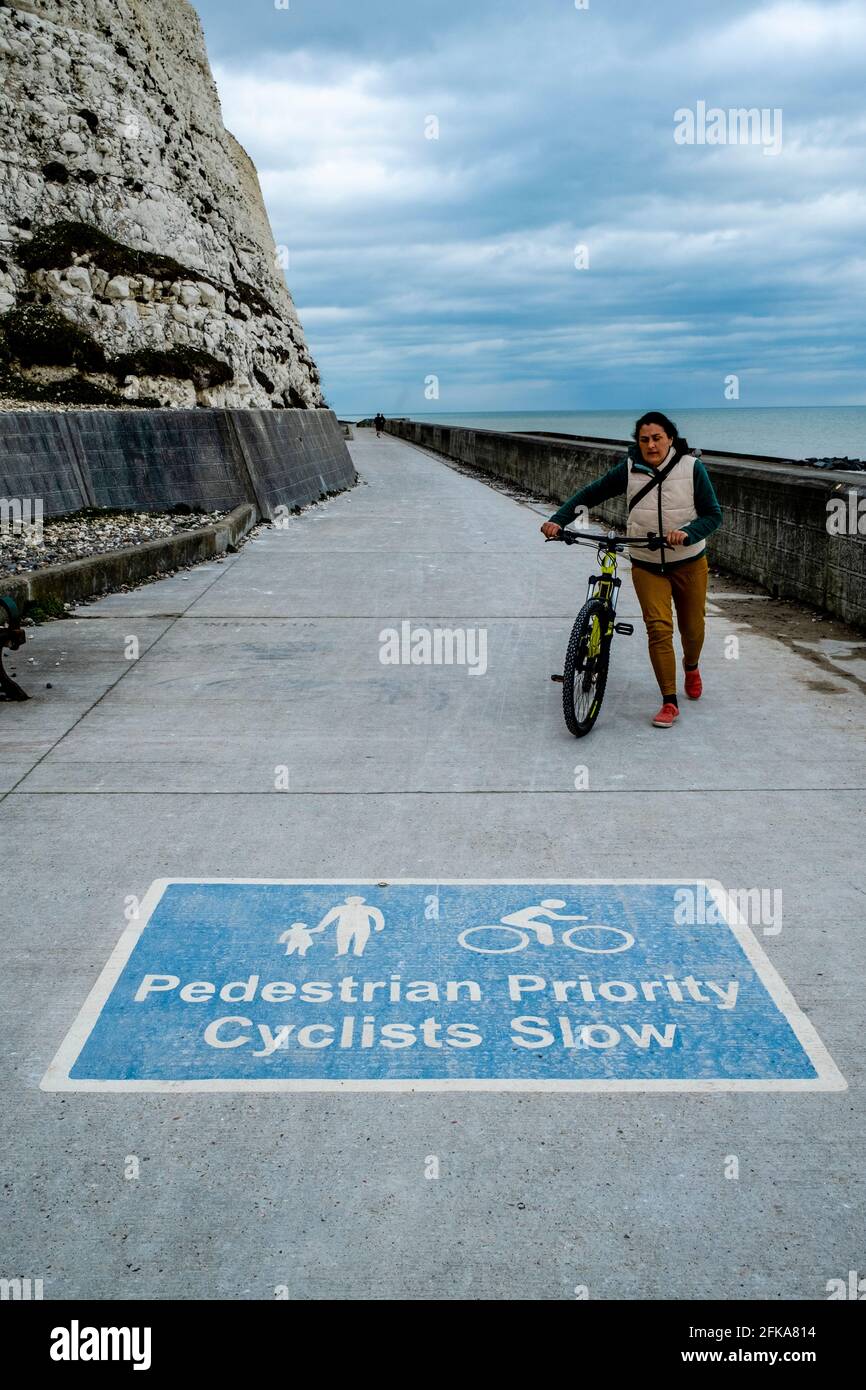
514, 932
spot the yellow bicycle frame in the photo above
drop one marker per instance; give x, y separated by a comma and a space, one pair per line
605, 589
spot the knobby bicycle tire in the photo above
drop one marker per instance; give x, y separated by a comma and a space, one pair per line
575, 667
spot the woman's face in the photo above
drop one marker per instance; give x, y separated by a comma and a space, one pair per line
654, 444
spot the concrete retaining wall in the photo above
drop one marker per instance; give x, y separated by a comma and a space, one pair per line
104, 574
775, 526
212, 459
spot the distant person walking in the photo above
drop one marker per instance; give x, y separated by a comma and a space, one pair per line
669, 492
379, 422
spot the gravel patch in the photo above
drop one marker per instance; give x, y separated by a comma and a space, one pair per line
94, 533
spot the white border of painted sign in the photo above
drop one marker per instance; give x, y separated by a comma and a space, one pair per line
828, 1077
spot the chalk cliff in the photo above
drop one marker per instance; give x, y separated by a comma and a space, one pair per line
137, 263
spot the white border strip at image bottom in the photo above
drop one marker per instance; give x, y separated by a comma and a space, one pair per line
828, 1077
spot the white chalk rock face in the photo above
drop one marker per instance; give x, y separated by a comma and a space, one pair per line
117, 288
78, 277
134, 237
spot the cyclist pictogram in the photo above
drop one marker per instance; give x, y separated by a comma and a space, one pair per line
514, 932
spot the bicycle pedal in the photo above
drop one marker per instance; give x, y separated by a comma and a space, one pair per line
558, 678
625, 628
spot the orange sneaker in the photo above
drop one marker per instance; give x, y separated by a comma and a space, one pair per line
666, 716
694, 685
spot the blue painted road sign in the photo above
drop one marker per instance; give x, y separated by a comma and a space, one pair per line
272, 985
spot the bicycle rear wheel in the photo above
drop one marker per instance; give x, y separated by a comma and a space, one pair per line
497, 950
586, 662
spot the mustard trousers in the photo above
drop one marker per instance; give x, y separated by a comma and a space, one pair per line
684, 588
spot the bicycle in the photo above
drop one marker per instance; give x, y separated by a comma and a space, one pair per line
523, 939
584, 678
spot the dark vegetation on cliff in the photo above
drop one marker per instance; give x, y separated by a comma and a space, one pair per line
186, 364
38, 336
55, 245
33, 335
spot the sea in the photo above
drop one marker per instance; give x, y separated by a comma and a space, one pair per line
790, 432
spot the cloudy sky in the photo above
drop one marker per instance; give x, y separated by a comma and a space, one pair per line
455, 257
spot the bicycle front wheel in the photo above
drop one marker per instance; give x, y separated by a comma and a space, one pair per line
485, 948
586, 662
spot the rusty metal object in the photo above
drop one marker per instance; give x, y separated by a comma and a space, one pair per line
12, 635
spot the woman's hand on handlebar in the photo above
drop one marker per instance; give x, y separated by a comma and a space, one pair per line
552, 531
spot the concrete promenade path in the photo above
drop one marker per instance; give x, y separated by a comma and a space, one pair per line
126, 771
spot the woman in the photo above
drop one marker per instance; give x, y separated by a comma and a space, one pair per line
669, 492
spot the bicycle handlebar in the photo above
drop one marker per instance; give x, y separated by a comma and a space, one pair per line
653, 541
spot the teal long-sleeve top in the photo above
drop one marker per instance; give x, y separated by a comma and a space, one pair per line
615, 481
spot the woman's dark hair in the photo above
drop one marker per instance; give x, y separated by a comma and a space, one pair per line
655, 417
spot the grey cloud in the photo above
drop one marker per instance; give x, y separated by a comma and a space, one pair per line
556, 127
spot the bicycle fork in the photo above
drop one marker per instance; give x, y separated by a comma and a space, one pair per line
608, 592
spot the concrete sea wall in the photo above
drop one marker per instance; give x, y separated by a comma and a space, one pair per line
775, 529
155, 459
